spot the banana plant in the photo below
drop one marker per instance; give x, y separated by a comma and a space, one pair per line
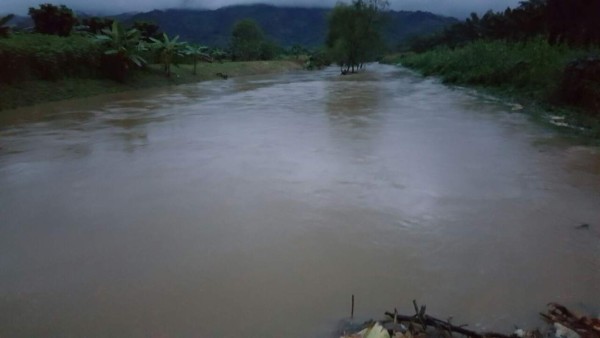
4, 29
167, 50
198, 52
124, 44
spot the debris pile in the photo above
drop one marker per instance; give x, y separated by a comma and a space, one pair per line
562, 323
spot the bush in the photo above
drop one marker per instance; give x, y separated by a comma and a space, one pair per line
47, 57
580, 84
534, 67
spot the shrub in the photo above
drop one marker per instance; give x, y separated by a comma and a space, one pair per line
534, 66
47, 57
580, 84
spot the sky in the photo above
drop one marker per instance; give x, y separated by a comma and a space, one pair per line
457, 8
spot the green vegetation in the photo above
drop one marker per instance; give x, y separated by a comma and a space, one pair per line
95, 25
167, 50
122, 50
48, 57
354, 35
533, 67
197, 53
53, 20
66, 58
248, 42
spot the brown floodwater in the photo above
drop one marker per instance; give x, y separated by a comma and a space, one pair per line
257, 206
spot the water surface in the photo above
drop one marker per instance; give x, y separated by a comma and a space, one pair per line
256, 206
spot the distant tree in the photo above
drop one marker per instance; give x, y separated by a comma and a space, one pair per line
4, 29
147, 30
53, 20
297, 50
96, 25
354, 35
247, 39
218, 54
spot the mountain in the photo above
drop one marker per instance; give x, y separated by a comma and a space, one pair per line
285, 25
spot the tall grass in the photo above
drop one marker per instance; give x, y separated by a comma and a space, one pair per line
533, 67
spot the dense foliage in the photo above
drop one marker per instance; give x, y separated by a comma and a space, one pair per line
48, 57
53, 20
95, 25
576, 22
354, 35
122, 50
147, 30
248, 42
168, 49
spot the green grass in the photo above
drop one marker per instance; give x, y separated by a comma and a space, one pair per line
528, 72
25, 93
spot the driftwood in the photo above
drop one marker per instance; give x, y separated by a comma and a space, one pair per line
562, 323
584, 326
424, 320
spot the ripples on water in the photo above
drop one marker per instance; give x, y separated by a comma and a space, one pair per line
259, 205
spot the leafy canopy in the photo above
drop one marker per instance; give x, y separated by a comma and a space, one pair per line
248, 42
354, 35
53, 20
123, 43
167, 50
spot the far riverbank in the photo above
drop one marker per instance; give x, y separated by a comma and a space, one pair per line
32, 92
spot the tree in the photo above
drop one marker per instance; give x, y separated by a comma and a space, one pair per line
4, 29
96, 25
147, 30
198, 52
168, 49
218, 54
53, 20
354, 35
123, 48
247, 39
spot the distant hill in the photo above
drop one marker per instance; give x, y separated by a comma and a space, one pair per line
285, 25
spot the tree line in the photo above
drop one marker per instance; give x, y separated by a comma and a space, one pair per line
573, 22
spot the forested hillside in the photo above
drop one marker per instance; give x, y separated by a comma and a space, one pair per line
287, 26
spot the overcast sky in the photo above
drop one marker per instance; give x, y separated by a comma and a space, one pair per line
459, 8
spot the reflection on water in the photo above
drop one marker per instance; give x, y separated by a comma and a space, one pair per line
234, 206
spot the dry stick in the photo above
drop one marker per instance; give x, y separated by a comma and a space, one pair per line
419, 314
352, 310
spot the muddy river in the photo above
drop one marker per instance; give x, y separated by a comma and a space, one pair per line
257, 206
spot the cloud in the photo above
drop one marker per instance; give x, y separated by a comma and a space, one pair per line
459, 8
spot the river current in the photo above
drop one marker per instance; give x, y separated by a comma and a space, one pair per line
257, 206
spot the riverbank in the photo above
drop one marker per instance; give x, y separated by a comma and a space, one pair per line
535, 75
32, 92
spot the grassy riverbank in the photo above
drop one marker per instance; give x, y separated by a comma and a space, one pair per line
31, 92
531, 73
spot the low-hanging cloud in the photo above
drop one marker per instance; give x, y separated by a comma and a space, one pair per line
458, 8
